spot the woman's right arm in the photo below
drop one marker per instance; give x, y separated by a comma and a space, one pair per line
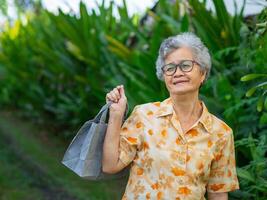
111, 162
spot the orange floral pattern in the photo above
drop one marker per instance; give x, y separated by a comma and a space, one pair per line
167, 163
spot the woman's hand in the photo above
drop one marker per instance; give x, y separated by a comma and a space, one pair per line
110, 161
119, 101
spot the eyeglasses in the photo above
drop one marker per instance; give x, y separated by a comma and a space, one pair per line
184, 65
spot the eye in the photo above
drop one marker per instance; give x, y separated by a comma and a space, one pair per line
186, 65
170, 67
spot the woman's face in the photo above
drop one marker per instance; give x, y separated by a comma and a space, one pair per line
183, 82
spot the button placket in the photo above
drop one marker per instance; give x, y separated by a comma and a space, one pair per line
183, 158
176, 124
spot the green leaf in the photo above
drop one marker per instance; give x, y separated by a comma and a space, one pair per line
260, 104
263, 118
252, 76
118, 45
245, 174
251, 91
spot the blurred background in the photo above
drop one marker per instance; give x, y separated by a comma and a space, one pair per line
58, 59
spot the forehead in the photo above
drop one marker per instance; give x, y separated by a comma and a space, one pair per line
183, 53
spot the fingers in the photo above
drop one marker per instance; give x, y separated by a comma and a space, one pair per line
115, 94
110, 97
122, 93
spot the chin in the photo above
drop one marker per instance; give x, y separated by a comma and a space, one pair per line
179, 92
182, 91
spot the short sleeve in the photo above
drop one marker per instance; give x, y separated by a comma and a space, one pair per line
223, 176
130, 137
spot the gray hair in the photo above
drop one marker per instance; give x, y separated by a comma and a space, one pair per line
186, 39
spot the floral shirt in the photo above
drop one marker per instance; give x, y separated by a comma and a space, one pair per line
169, 164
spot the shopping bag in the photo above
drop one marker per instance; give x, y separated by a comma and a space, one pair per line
84, 154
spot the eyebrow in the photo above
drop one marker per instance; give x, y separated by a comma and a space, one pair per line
178, 61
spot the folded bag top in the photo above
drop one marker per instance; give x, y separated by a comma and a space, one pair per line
84, 154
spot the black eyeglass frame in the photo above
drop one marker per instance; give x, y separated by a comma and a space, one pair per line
179, 65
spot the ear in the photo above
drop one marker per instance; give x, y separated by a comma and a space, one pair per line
203, 75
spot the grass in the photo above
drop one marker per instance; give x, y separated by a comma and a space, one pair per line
31, 167
14, 182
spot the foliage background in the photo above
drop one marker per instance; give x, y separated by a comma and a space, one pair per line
55, 70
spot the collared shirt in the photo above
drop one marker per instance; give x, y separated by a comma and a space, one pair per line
169, 164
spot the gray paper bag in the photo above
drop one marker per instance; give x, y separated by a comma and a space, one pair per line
84, 154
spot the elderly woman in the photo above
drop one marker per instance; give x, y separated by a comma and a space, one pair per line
176, 148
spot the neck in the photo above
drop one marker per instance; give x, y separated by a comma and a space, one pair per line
187, 107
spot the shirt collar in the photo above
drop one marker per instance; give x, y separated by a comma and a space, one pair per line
166, 108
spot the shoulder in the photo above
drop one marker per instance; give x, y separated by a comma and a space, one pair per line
141, 113
147, 108
219, 124
220, 128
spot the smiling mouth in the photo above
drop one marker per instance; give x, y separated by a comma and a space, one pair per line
179, 82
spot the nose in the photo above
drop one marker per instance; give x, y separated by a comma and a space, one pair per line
178, 72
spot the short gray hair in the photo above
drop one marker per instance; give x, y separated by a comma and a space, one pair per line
186, 39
